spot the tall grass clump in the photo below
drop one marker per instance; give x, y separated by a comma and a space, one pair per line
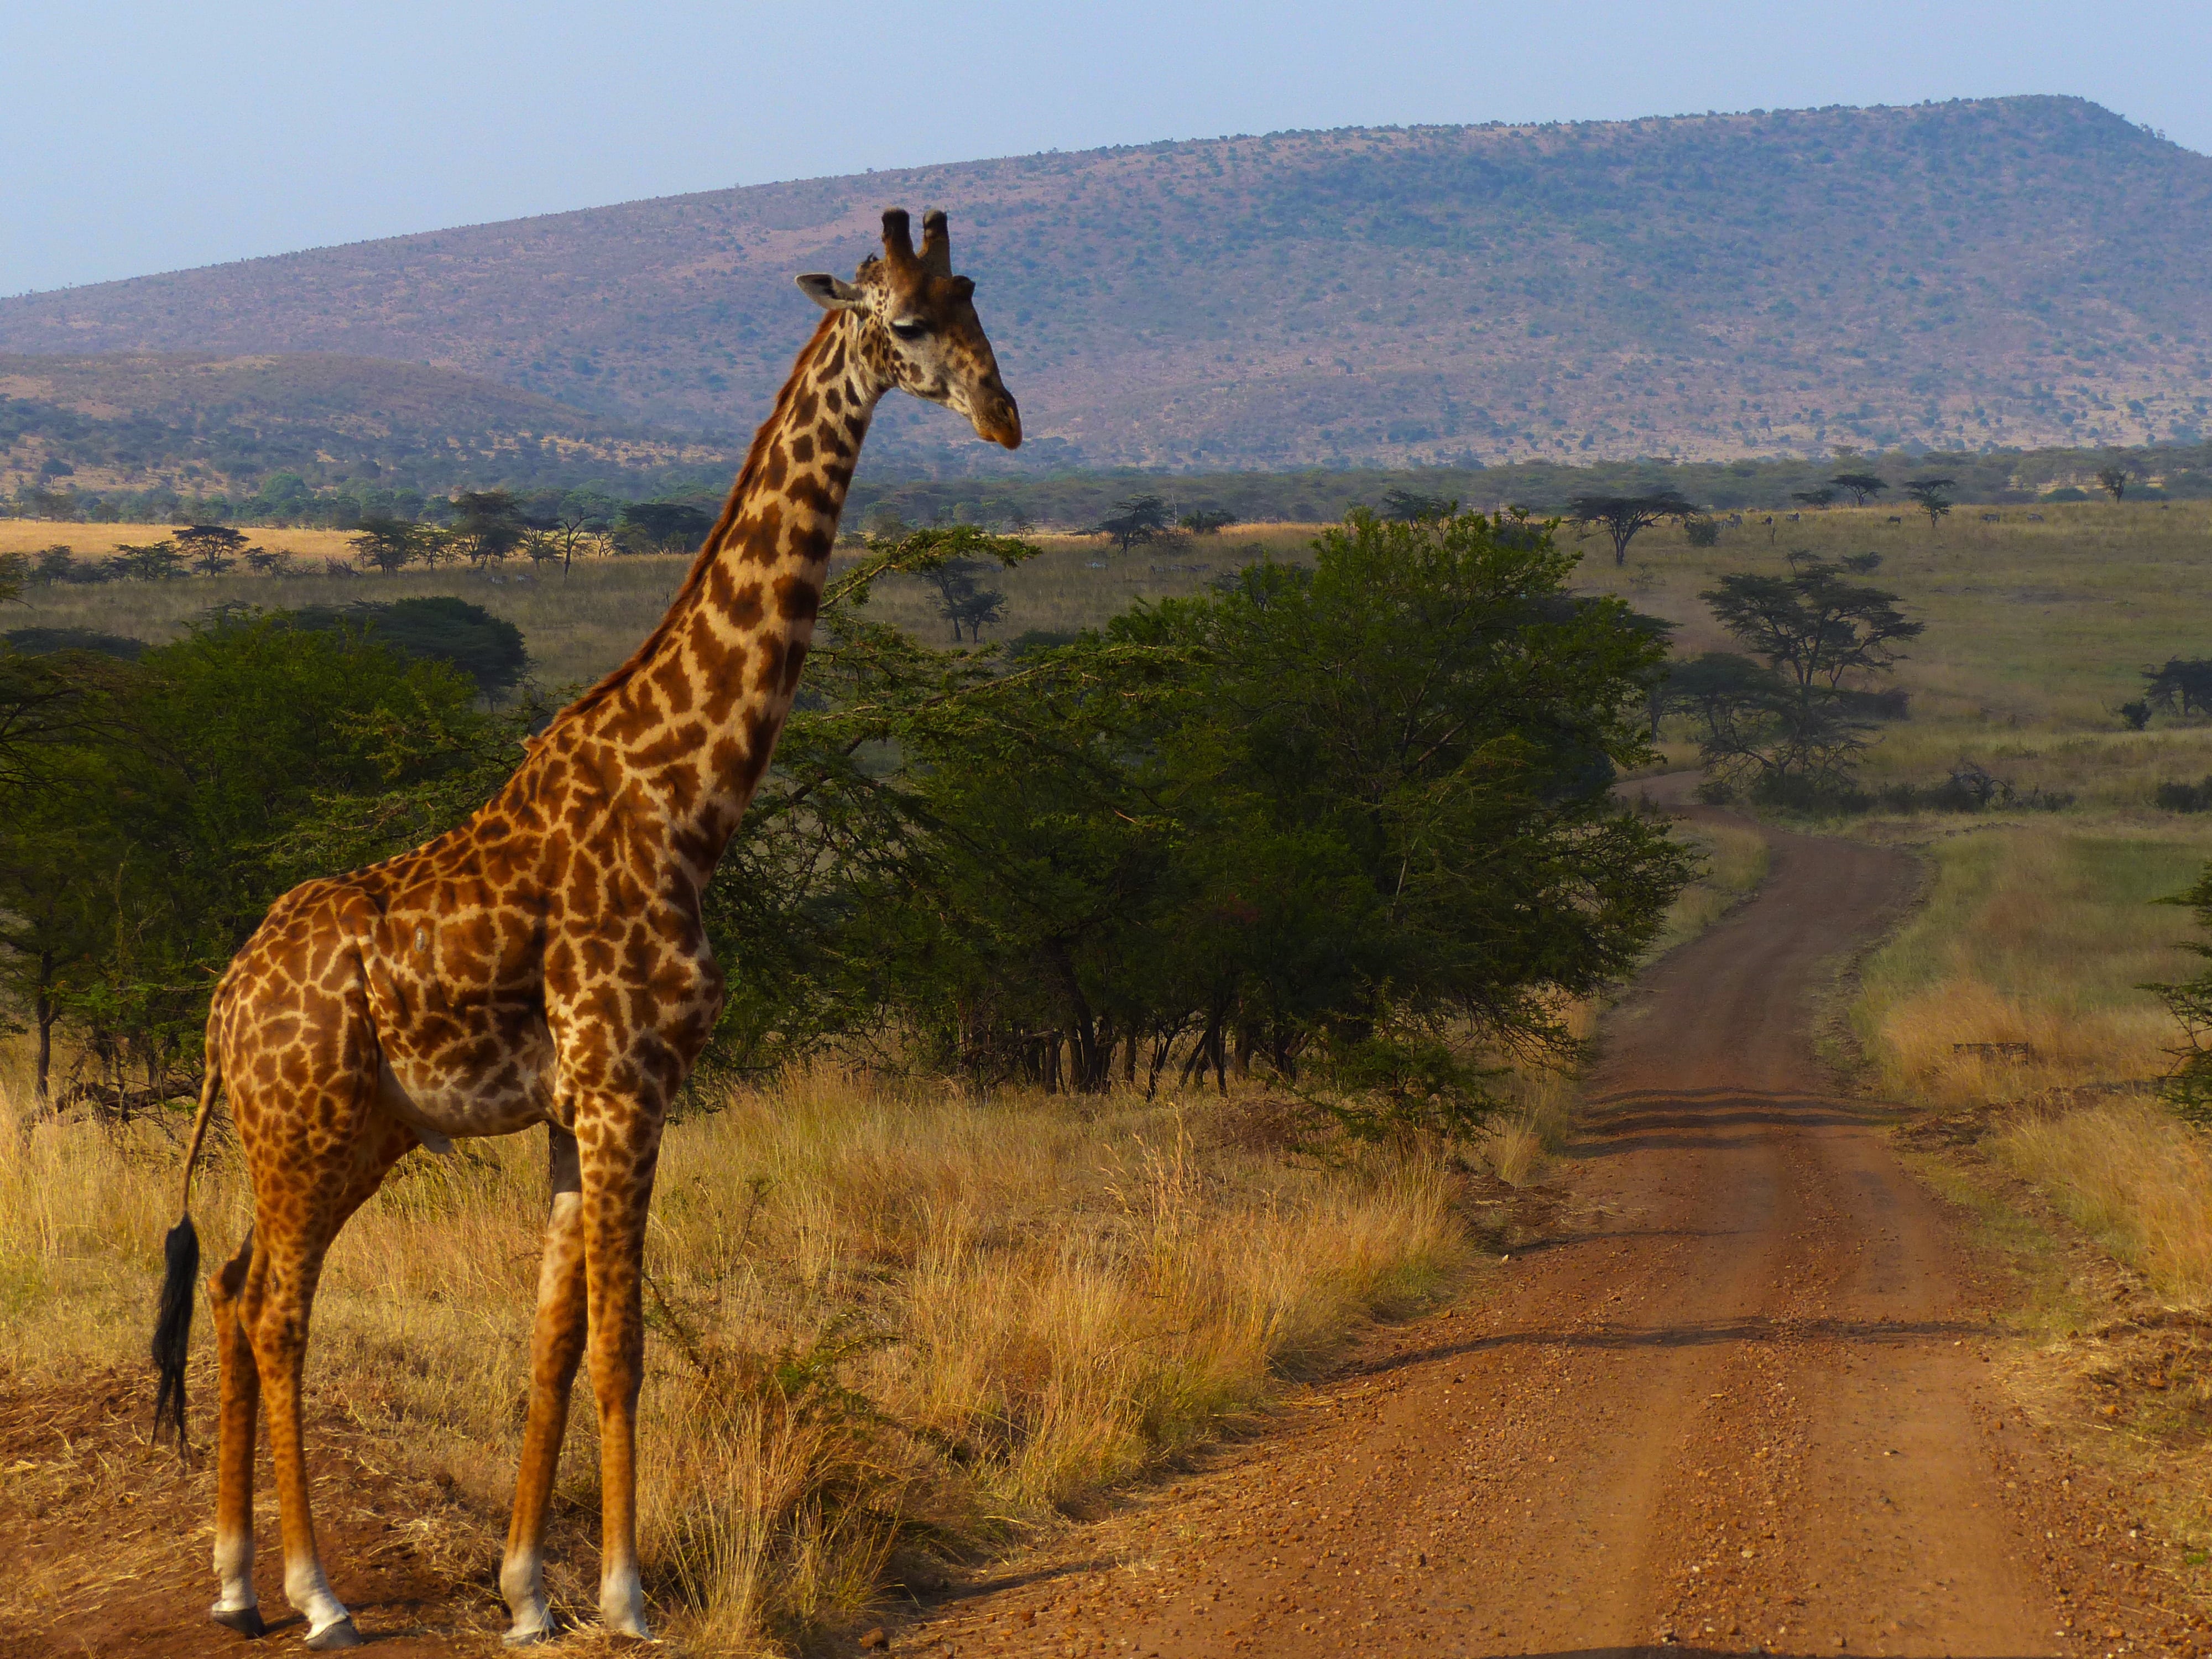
882, 1319
2134, 1176
2023, 972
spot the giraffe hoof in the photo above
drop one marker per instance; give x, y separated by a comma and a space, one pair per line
530, 1637
246, 1621
342, 1634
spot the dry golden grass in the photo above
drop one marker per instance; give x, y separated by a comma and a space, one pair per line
881, 1315
2037, 632
580, 625
2032, 934
2132, 1176
98, 541
2043, 936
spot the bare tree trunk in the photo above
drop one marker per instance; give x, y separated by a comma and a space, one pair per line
45, 1010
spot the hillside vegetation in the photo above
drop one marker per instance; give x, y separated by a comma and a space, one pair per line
274, 433
2007, 272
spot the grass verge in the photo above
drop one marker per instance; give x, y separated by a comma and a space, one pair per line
886, 1323
2010, 1006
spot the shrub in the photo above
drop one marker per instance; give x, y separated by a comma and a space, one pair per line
2179, 797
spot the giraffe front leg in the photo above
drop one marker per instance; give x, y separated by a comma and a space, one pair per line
237, 1606
618, 1151
555, 1349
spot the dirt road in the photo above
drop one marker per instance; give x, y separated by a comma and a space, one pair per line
1735, 1397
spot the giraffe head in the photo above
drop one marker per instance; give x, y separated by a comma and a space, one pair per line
919, 321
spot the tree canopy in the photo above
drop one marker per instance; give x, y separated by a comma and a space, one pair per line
1351, 821
1139, 520
663, 527
1622, 516
1932, 496
1321, 819
1788, 721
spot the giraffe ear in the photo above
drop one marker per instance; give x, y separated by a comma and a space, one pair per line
832, 294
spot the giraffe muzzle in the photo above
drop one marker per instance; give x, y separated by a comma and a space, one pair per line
998, 422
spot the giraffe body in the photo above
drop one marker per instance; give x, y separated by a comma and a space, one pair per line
546, 963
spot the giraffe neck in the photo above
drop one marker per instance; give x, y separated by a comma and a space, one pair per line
694, 715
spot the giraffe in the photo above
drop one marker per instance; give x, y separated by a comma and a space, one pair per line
544, 964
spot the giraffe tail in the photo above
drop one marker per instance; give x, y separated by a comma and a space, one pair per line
180, 1252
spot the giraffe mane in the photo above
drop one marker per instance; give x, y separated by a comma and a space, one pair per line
703, 560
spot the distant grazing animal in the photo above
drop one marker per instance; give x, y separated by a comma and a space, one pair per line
1893, 518
1794, 517
2035, 518
546, 963
1992, 517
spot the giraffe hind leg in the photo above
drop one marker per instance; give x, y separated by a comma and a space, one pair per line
290, 1242
237, 1607
275, 1324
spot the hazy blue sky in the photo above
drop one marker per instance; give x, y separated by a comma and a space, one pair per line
140, 137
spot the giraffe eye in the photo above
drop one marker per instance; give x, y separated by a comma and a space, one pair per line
909, 328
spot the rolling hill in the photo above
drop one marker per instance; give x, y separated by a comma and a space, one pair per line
2000, 272
133, 420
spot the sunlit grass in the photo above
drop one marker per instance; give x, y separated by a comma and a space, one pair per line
2031, 935
579, 625
2035, 632
882, 1315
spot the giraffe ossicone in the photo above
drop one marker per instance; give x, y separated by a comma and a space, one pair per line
545, 965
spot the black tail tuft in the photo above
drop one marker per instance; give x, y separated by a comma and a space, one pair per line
173, 1325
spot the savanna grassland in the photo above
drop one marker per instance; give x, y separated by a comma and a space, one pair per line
892, 1324
897, 1317
580, 625
884, 1319
2019, 981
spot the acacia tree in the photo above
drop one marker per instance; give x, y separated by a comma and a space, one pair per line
662, 526
1411, 506
584, 515
1812, 625
1622, 516
489, 524
1861, 485
2182, 686
962, 598
1754, 731
213, 547
388, 544
1789, 724
1140, 520
1930, 496
2113, 480
1821, 495
147, 562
